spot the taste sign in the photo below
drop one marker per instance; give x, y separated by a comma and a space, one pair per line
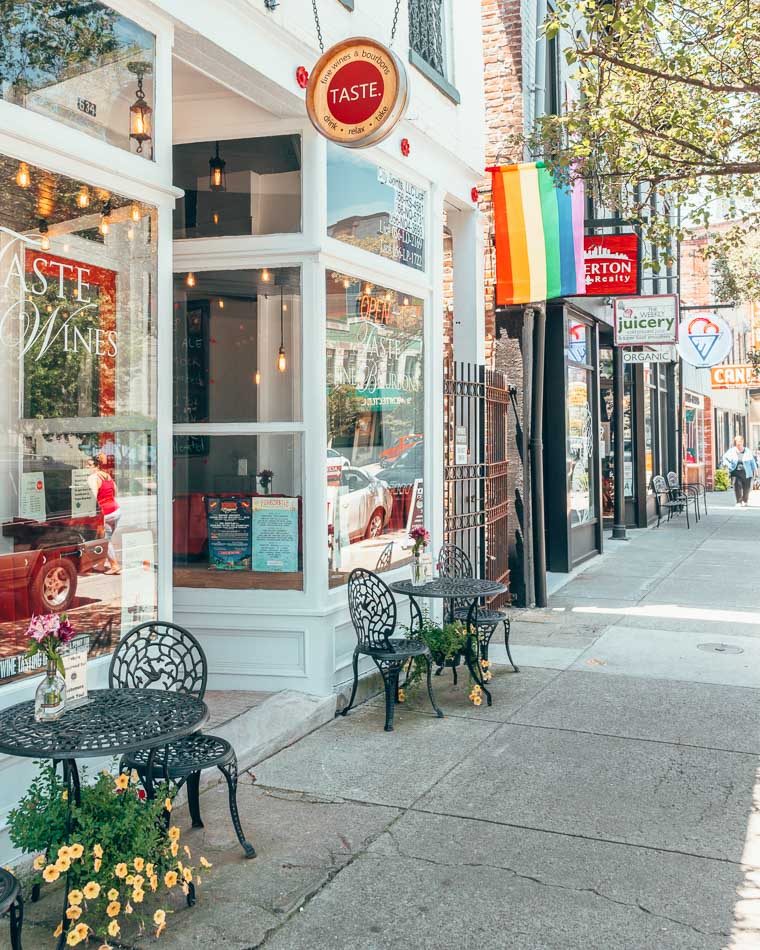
357, 93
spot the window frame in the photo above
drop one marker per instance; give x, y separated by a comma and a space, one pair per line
439, 79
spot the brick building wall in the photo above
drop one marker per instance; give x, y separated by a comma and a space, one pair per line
708, 445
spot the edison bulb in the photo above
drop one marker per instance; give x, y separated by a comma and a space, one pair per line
23, 178
190, 279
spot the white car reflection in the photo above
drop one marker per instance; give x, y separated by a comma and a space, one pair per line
365, 505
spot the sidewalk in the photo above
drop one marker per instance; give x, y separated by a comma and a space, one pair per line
608, 800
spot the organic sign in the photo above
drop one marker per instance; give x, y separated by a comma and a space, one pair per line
612, 263
357, 93
704, 341
734, 376
650, 354
646, 320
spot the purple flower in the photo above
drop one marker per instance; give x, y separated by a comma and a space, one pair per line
65, 630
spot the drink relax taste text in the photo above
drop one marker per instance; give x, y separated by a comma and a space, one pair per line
33, 327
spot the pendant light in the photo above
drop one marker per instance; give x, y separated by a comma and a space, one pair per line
83, 198
266, 276
105, 218
140, 112
257, 377
282, 363
134, 212
190, 279
217, 177
23, 178
44, 239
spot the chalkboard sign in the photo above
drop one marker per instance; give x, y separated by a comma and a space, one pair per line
191, 361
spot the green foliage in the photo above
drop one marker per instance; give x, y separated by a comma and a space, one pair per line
721, 481
666, 109
445, 643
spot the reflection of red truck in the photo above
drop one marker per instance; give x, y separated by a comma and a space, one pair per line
41, 574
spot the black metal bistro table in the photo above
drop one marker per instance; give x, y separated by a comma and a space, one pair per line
111, 723
452, 589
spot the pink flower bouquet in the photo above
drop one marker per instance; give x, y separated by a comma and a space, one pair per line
421, 538
48, 634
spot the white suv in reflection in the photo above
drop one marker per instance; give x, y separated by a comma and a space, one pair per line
365, 505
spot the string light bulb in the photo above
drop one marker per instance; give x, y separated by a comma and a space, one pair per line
83, 198
134, 212
105, 219
44, 239
282, 363
266, 276
346, 283
215, 218
190, 279
257, 377
221, 305
23, 178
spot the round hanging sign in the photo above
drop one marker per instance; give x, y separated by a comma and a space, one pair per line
705, 341
357, 93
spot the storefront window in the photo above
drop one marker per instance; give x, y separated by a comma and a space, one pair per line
77, 413
375, 414
580, 422
372, 208
694, 428
238, 186
82, 64
238, 511
237, 346
607, 430
650, 397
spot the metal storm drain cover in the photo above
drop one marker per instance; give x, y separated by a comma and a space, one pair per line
719, 648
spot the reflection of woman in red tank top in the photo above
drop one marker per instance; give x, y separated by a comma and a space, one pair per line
103, 488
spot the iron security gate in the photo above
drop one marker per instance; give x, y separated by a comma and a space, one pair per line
475, 489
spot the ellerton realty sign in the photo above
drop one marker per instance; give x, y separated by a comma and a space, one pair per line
612, 264
646, 320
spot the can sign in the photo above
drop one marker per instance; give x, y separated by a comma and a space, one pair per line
357, 93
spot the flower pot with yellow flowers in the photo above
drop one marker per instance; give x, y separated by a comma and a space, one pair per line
124, 861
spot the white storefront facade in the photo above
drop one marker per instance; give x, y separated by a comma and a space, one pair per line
237, 321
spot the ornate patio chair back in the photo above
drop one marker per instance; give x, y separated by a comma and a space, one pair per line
673, 480
659, 485
372, 608
384, 561
159, 655
454, 563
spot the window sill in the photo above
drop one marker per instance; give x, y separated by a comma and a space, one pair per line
439, 81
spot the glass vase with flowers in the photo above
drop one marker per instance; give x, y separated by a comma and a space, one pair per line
48, 634
421, 538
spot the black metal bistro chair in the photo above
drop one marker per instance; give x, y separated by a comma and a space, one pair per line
12, 905
373, 614
697, 489
385, 559
453, 562
159, 655
672, 500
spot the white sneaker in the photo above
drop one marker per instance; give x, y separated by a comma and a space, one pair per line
738, 504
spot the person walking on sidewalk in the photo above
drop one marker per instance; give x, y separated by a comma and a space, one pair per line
742, 467
103, 488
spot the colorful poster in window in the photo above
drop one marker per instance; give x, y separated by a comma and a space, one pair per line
229, 533
275, 534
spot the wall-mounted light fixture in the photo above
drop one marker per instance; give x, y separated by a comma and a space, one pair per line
140, 112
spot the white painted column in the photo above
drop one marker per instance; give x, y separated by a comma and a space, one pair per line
469, 299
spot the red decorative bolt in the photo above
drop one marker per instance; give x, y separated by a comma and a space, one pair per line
302, 77
405, 147
475, 195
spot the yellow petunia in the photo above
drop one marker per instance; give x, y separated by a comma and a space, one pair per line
137, 895
401, 696
129, 879
105, 946
77, 935
121, 870
187, 850
188, 875
97, 865
97, 851
159, 917
139, 864
113, 894
65, 795
58, 930
170, 878
76, 897
139, 880
174, 833
113, 928
91, 890
135, 778
122, 782
64, 852
477, 701
159, 929
74, 913
128, 908
174, 848
167, 804
206, 864
63, 864
149, 869
51, 873
39, 862
113, 909
76, 851
153, 882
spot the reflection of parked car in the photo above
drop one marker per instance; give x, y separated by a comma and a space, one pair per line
41, 574
336, 463
407, 468
365, 504
389, 455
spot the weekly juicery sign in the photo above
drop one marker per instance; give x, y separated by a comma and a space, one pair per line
646, 320
357, 93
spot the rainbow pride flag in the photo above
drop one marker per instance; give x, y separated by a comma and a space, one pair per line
539, 235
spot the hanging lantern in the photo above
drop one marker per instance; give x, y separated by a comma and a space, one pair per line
217, 177
83, 198
140, 112
23, 178
105, 219
44, 239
